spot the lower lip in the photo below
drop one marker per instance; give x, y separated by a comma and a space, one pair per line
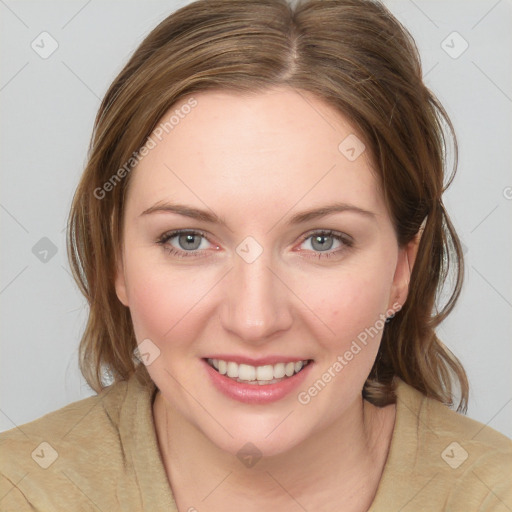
256, 393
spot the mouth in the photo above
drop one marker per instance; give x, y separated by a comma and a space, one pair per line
263, 375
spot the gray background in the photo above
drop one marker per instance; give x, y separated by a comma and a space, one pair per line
47, 111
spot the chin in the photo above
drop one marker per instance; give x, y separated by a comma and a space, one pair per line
263, 440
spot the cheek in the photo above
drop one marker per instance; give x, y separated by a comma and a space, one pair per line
162, 303
351, 303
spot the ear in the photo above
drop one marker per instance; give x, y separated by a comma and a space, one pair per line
405, 263
120, 281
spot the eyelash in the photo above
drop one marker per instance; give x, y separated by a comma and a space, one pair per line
172, 251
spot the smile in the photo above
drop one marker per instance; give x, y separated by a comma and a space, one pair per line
260, 383
258, 375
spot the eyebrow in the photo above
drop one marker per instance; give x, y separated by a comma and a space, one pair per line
209, 216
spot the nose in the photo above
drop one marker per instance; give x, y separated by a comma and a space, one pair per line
257, 303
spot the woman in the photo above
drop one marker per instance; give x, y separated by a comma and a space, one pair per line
260, 235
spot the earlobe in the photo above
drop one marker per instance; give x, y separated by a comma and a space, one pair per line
406, 259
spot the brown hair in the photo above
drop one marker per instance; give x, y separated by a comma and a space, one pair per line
358, 58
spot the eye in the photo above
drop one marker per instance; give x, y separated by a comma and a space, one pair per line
184, 243
326, 243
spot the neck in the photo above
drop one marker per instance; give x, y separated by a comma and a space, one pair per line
344, 459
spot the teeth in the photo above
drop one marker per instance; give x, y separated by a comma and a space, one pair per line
289, 369
232, 370
264, 372
246, 372
279, 370
267, 374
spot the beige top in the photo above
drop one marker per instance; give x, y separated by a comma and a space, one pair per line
101, 453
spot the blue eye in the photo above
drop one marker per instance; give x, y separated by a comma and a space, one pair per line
321, 243
189, 243
186, 243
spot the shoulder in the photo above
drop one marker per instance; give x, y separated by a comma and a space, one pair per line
432, 420
59, 457
77, 420
442, 460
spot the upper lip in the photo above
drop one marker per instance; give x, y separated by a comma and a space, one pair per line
260, 361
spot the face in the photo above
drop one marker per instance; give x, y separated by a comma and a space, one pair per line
249, 237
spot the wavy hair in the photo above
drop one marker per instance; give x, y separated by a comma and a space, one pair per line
359, 59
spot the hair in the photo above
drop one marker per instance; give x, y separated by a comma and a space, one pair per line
356, 57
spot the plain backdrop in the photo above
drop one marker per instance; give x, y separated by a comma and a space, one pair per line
48, 104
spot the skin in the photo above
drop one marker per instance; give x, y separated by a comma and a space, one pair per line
256, 161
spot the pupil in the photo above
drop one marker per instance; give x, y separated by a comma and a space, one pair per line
321, 240
189, 241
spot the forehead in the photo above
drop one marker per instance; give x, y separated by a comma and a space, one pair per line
267, 150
